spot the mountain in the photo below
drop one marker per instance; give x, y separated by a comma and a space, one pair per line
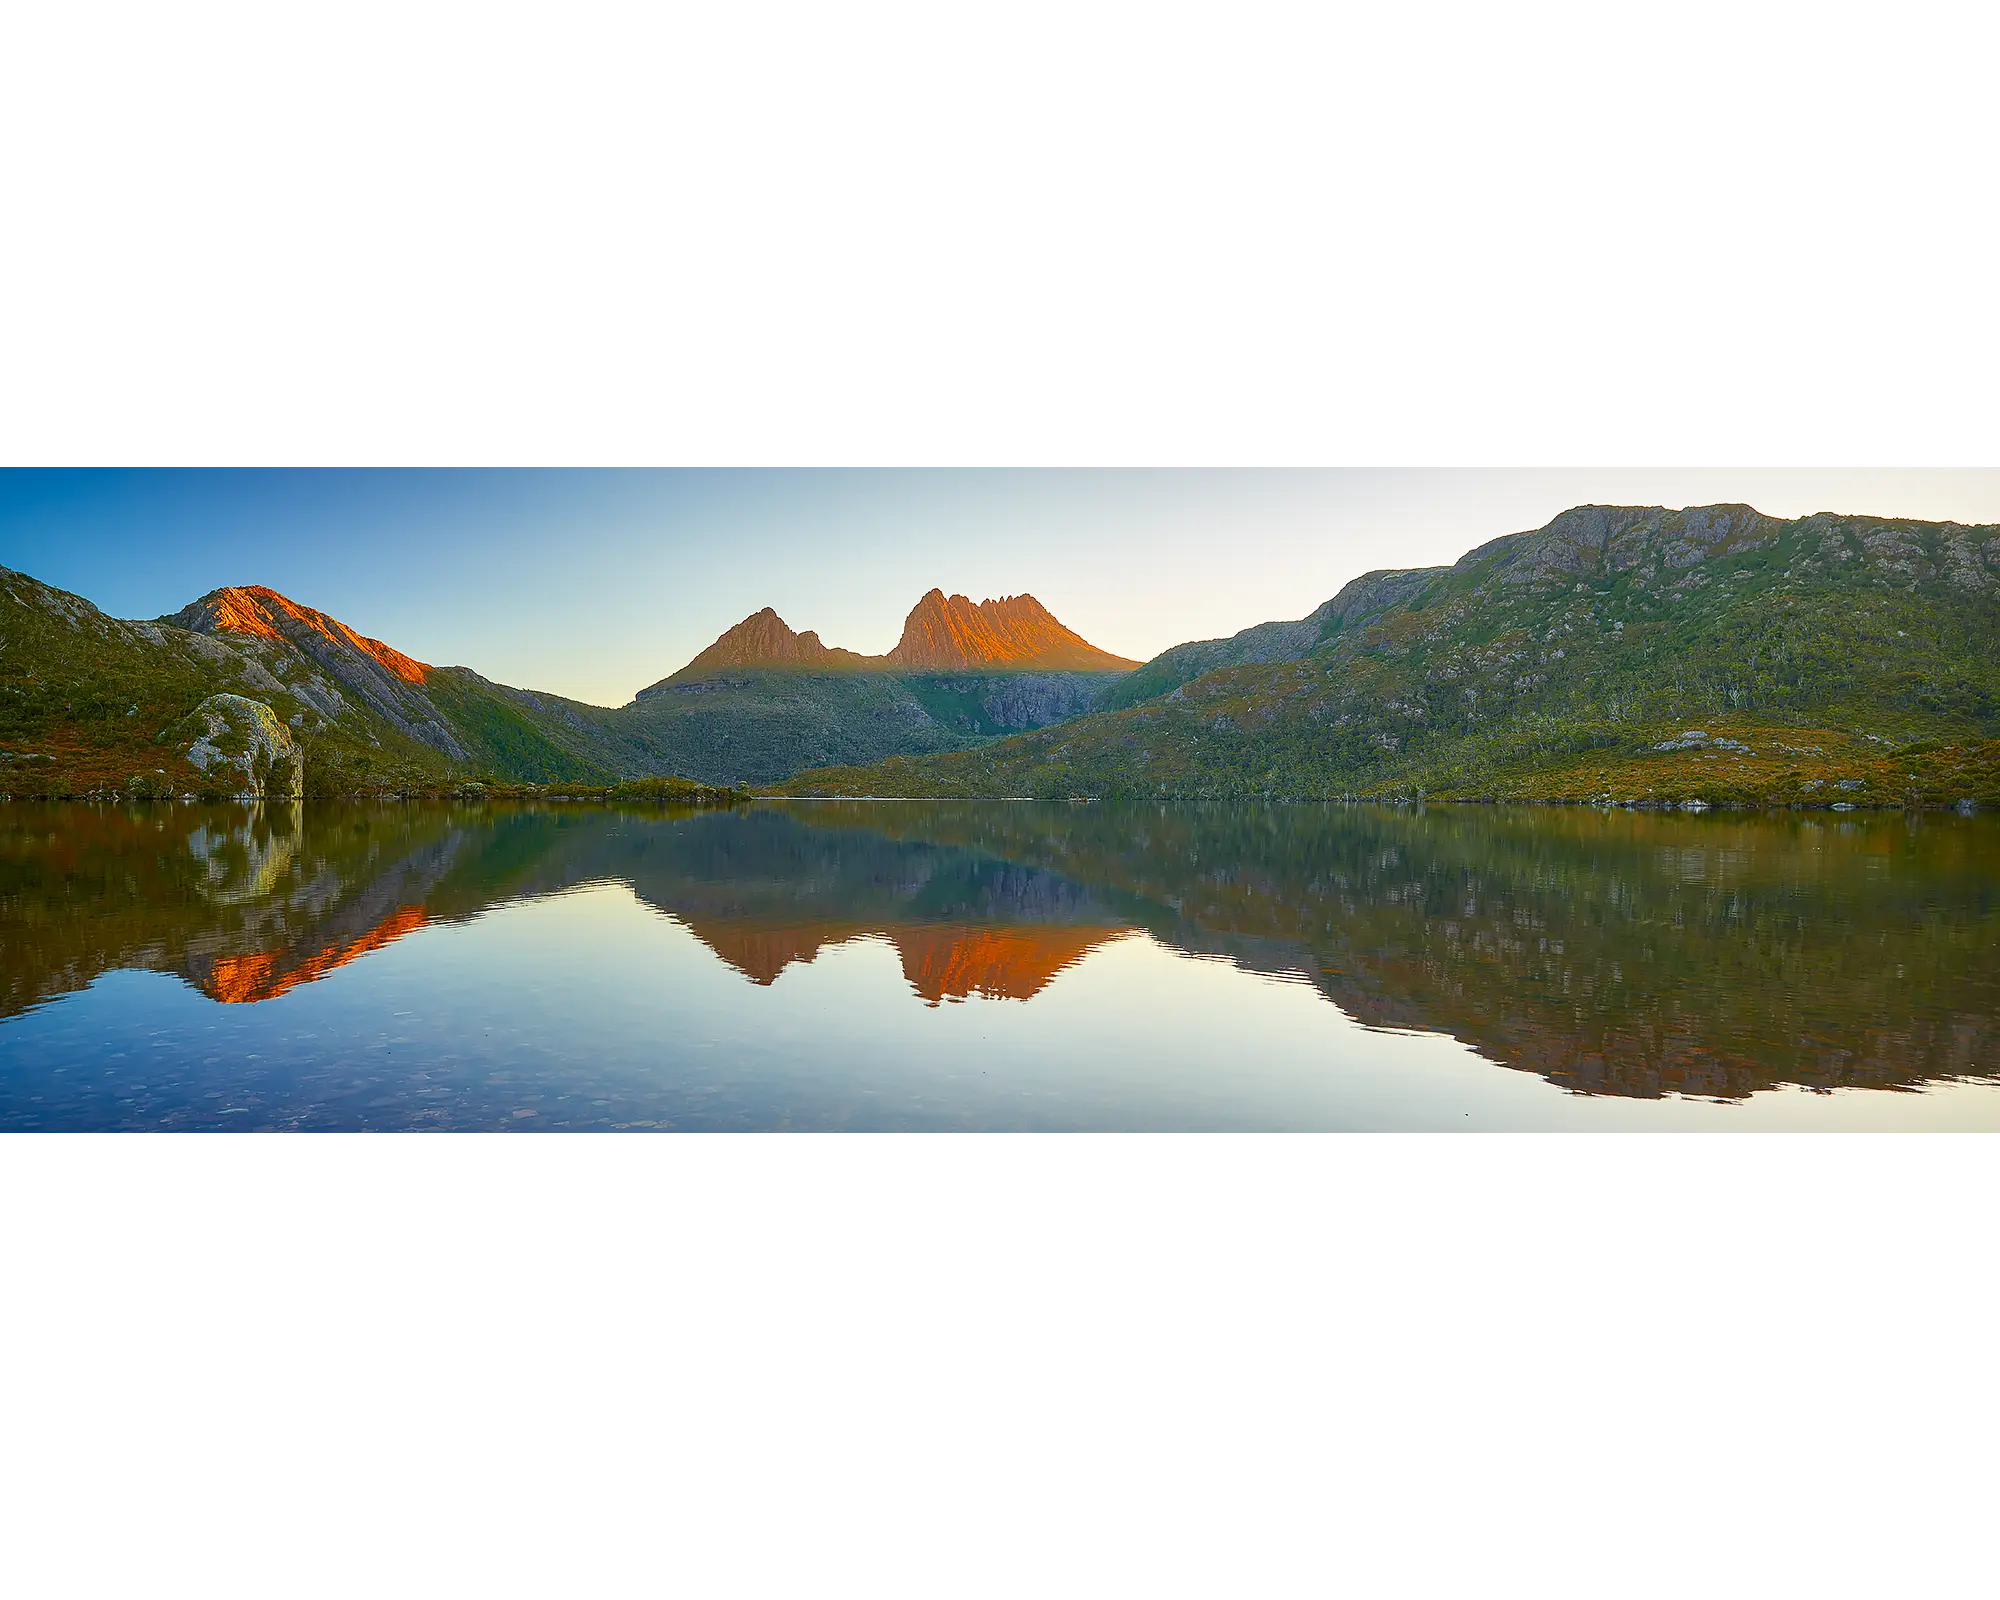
763, 702
489, 727
1635, 653
89, 703
386, 681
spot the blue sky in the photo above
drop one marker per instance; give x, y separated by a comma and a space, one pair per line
596, 583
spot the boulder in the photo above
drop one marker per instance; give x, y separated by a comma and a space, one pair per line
243, 744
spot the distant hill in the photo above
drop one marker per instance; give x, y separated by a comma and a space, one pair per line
1623, 652
1367, 595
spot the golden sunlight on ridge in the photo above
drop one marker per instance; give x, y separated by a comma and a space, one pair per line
266, 974
252, 610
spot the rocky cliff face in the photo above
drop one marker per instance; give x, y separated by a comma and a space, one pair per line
1016, 631
1009, 702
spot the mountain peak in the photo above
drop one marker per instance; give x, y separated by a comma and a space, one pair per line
263, 613
763, 639
1015, 631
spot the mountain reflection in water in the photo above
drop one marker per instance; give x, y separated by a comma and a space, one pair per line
1616, 953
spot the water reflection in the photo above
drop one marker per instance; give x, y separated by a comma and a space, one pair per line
1614, 954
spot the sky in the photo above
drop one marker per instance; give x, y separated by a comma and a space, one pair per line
593, 584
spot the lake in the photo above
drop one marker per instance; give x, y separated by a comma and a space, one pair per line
995, 965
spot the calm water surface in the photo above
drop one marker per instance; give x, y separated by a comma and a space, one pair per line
994, 965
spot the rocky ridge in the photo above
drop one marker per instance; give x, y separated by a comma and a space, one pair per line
385, 680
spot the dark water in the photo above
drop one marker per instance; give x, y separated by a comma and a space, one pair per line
963, 965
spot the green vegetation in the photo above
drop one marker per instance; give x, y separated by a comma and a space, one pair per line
516, 735
1828, 660
761, 725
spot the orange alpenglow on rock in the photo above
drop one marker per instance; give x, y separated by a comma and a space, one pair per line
265, 614
764, 641
947, 635
266, 974
1013, 963
941, 634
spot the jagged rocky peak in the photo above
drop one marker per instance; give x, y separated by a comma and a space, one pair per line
951, 633
263, 613
941, 634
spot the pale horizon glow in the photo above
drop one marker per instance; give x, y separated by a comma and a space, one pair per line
594, 584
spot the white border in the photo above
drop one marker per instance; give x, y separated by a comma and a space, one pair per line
1094, 234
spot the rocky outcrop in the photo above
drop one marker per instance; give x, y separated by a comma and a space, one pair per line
1011, 702
240, 743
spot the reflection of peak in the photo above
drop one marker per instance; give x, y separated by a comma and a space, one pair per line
760, 951
1000, 963
942, 961
266, 974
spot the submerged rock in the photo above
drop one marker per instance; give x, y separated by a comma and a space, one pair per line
243, 743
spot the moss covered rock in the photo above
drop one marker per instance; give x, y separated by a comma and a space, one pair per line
243, 747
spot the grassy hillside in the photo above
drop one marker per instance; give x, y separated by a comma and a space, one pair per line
530, 738
1576, 662
762, 726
